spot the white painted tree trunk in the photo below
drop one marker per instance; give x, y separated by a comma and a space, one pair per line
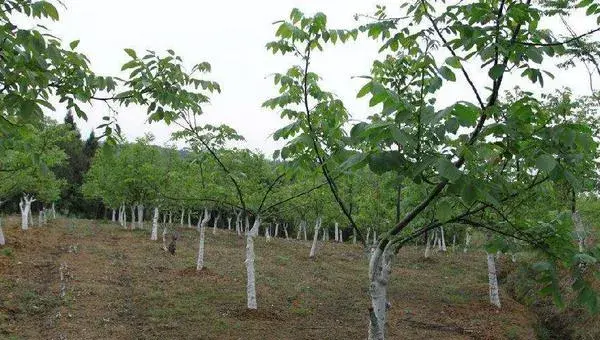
467, 241
285, 230
30, 217
229, 223
337, 234
140, 208
493, 280
154, 234
276, 230
170, 217
374, 236
313, 249
133, 217
379, 272
250, 272
368, 234
454, 242
341, 236
53, 211
202, 227
25, 206
304, 231
443, 240
238, 222
164, 238
325, 233
428, 246
2, 240
182, 216
215, 224
114, 216
40, 218
299, 231
353, 235
268, 233
579, 230
190, 218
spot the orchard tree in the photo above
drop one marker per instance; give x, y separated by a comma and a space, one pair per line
477, 159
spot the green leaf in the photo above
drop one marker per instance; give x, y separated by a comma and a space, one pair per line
453, 62
74, 44
447, 73
131, 53
365, 89
546, 163
496, 71
448, 170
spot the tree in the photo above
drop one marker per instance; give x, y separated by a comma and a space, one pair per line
475, 161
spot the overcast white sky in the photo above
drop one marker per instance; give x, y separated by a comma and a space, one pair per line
231, 35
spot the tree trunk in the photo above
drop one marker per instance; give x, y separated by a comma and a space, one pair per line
133, 216
140, 208
353, 235
325, 233
268, 233
467, 241
25, 206
114, 216
251, 283
379, 272
341, 236
229, 223
493, 281
443, 240
2, 240
454, 242
202, 227
428, 247
299, 231
53, 211
285, 230
40, 218
170, 217
215, 223
368, 234
154, 234
190, 218
579, 230
182, 216
276, 230
313, 249
337, 234
164, 238
238, 224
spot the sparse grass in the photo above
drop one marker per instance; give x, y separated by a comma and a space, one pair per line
123, 286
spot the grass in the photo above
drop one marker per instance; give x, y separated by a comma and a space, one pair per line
120, 285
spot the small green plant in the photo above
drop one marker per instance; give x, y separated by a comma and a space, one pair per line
8, 252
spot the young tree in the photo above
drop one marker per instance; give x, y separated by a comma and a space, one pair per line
475, 161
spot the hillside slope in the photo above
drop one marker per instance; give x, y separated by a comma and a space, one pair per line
120, 285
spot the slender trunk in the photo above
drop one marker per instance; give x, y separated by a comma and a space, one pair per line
368, 234
251, 281
374, 237
341, 236
443, 240
141, 216
202, 227
379, 272
229, 223
336, 237
467, 241
53, 211
182, 216
154, 234
171, 217
190, 218
285, 230
2, 240
304, 225
493, 281
268, 233
133, 216
313, 249
25, 206
114, 216
124, 217
579, 230
215, 224
353, 236
454, 242
40, 218
238, 224
428, 247
276, 230
325, 233
299, 231
164, 238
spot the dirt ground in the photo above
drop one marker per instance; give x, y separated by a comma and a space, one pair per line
121, 285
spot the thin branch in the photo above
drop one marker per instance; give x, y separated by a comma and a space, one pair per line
558, 43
